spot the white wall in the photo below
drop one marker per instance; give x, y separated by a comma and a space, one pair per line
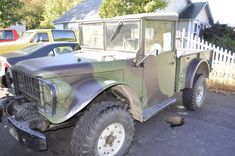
202, 17
183, 24
19, 28
59, 26
73, 26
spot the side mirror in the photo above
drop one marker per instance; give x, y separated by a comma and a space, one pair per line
140, 58
35, 40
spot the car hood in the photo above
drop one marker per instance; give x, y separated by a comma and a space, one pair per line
12, 54
73, 63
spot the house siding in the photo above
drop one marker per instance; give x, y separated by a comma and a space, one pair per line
59, 26
19, 28
203, 17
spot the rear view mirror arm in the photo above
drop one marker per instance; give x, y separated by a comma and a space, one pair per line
143, 59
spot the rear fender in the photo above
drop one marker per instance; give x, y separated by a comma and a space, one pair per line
196, 66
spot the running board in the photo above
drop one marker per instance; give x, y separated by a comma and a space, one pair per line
156, 108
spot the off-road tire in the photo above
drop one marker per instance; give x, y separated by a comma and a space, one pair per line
95, 120
189, 96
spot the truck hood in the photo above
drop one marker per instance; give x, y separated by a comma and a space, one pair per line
13, 43
7, 47
74, 63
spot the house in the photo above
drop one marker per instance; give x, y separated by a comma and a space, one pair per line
20, 28
86, 9
193, 17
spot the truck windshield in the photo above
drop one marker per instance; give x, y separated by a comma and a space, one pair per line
126, 37
117, 36
6, 35
26, 36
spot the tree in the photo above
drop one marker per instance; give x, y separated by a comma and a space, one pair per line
9, 12
221, 35
54, 9
111, 8
31, 13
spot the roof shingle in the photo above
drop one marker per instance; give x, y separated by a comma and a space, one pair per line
192, 10
85, 9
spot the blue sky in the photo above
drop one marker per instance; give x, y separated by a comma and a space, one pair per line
222, 10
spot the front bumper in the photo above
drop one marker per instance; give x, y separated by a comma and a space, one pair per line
21, 132
1, 79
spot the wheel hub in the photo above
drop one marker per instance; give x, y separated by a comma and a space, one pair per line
200, 93
111, 140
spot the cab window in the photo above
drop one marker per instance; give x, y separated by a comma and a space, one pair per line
63, 35
63, 50
159, 32
6, 35
41, 37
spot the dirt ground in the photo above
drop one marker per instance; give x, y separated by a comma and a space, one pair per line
207, 132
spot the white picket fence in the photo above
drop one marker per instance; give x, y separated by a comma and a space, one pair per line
223, 62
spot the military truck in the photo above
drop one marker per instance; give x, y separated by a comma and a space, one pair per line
128, 69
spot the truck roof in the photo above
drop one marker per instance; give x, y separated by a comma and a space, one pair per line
165, 16
45, 30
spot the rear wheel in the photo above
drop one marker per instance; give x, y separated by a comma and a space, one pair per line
107, 129
193, 98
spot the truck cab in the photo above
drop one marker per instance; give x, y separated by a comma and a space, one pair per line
7, 35
128, 69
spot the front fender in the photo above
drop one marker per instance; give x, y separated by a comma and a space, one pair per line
83, 93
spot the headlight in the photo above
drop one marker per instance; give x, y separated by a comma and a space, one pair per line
63, 89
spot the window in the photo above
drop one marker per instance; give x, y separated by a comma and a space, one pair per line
123, 36
65, 26
6, 35
41, 37
63, 50
63, 35
159, 32
92, 35
26, 36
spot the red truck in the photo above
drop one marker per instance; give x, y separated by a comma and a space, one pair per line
7, 35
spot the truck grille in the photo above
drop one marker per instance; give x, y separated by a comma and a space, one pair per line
25, 84
34, 89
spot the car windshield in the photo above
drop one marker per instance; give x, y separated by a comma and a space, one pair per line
6, 35
30, 49
117, 35
26, 36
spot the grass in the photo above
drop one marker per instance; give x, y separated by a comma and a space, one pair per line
220, 87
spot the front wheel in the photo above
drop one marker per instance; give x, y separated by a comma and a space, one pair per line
193, 98
107, 129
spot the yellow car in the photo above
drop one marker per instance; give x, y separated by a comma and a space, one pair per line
39, 35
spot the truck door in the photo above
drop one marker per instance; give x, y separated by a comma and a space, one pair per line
159, 69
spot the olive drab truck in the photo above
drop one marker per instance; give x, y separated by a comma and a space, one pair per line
128, 69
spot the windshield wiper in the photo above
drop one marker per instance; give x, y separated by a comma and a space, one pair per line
117, 30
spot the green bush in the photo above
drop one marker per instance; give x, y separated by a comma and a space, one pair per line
221, 35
